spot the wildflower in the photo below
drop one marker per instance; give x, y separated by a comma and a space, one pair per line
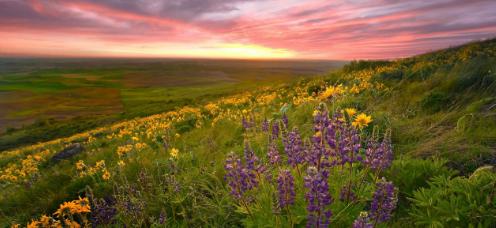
245, 123
106, 175
383, 201
378, 156
80, 165
104, 211
286, 188
273, 154
33, 224
318, 197
355, 89
350, 111
100, 164
67, 208
238, 177
174, 153
83, 205
265, 125
285, 120
253, 164
161, 218
362, 221
362, 120
72, 223
177, 135
45, 220
332, 91
293, 147
121, 163
275, 130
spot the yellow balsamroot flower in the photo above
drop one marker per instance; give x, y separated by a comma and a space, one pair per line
106, 175
45, 220
121, 163
82, 205
362, 120
174, 153
66, 208
71, 223
332, 91
33, 224
350, 111
318, 134
80, 165
354, 89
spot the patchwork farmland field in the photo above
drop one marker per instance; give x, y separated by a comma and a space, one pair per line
77, 94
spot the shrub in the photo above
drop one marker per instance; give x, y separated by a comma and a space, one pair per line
457, 202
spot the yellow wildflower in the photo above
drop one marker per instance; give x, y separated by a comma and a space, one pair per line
121, 163
174, 153
332, 91
45, 220
80, 165
33, 224
84, 205
362, 120
66, 208
71, 223
106, 175
350, 111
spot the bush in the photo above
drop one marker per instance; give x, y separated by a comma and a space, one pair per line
457, 202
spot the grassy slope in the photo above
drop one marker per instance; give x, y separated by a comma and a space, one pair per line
440, 104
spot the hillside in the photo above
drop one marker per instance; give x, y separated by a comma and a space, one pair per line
377, 143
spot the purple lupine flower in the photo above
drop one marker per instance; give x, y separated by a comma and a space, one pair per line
273, 154
383, 201
293, 147
162, 219
103, 211
275, 130
265, 125
318, 197
363, 221
379, 156
348, 145
250, 157
285, 121
245, 123
240, 178
320, 120
286, 188
233, 175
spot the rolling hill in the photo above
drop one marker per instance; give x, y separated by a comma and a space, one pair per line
374, 144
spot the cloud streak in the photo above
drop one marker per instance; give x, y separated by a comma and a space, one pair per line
342, 29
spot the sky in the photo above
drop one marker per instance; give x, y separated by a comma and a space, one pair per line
295, 29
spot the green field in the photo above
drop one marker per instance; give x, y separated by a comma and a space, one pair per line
42, 99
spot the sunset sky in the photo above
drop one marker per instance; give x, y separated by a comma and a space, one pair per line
301, 29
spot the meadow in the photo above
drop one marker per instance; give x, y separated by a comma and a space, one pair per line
409, 142
43, 99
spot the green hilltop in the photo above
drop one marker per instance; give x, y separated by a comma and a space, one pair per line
175, 169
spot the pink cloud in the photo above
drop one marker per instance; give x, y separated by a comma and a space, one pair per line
310, 29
